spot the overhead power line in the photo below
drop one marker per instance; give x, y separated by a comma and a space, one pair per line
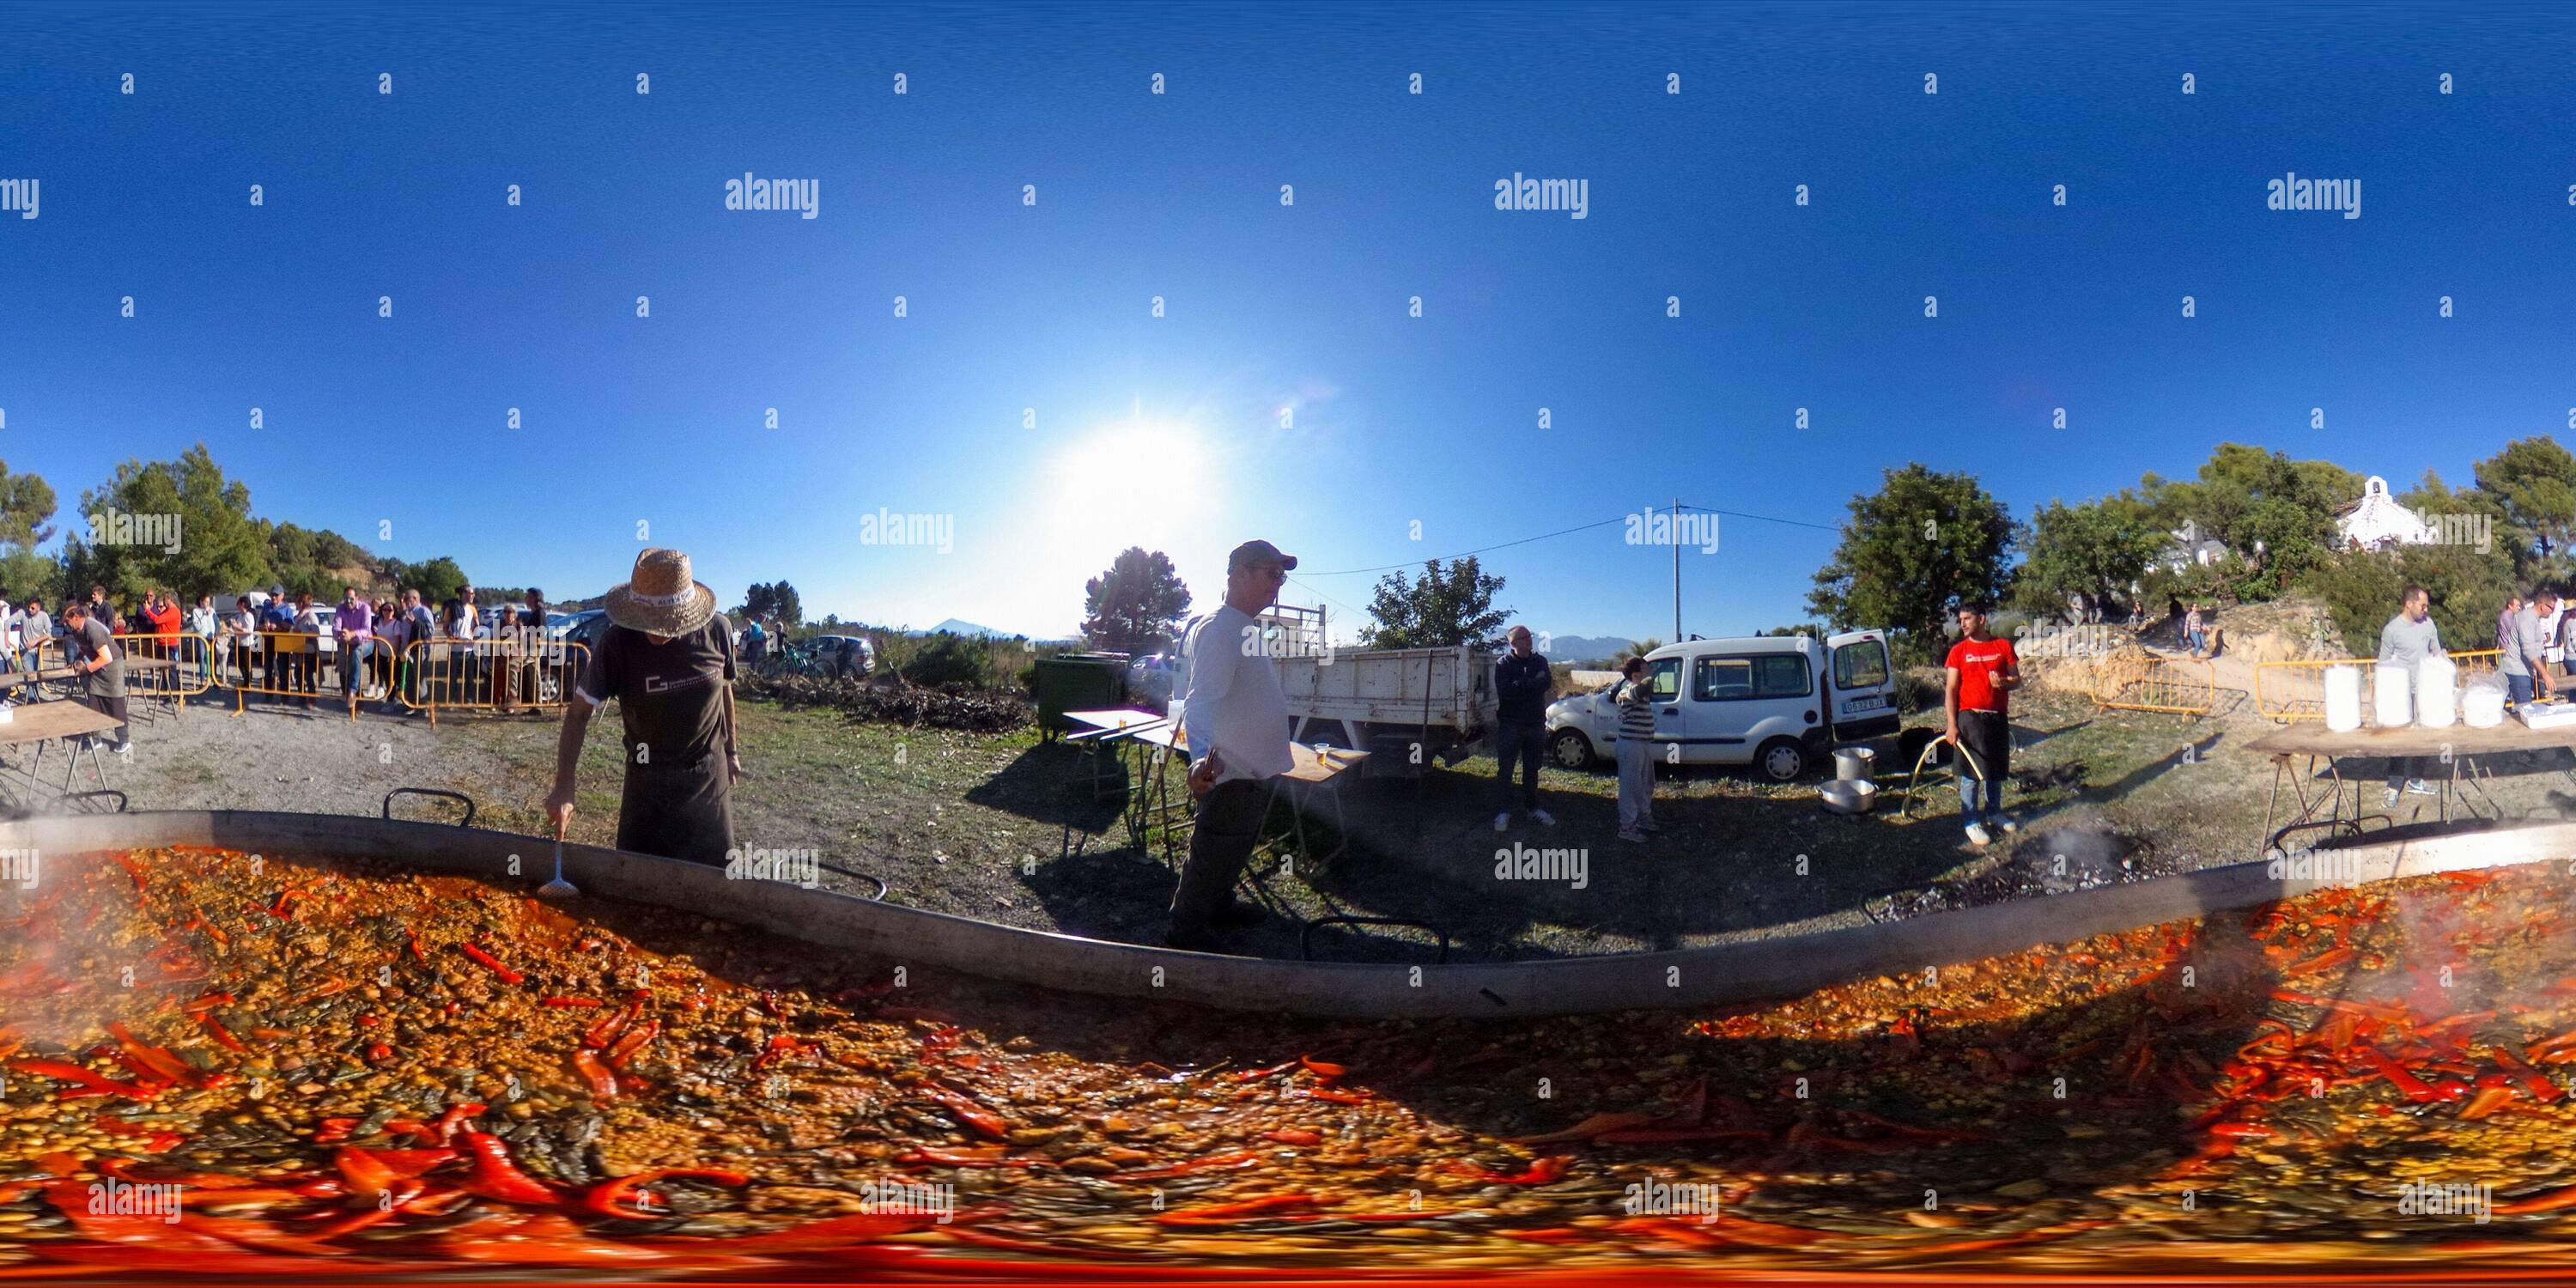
1581, 527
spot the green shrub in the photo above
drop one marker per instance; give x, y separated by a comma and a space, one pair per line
2466, 587
948, 659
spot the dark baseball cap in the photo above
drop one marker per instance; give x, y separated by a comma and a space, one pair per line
1252, 553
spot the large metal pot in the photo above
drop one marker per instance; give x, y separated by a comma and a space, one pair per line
930, 941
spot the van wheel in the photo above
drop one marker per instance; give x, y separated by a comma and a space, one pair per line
1781, 760
1570, 749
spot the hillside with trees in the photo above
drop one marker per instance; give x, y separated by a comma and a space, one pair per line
2250, 526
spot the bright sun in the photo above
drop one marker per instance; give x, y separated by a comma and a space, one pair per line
1134, 484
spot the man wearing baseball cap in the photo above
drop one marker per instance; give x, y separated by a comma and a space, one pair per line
667, 657
1236, 721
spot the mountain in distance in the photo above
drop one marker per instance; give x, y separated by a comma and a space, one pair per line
968, 629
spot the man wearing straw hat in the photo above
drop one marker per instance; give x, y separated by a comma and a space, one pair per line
667, 658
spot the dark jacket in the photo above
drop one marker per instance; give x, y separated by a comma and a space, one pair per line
1522, 684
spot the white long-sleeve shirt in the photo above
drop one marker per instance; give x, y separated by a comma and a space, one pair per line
1233, 705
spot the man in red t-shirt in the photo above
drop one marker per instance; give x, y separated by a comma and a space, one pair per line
1982, 672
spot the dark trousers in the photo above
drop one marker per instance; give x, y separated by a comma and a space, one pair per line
1526, 741
1228, 825
1987, 737
113, 707
678, 811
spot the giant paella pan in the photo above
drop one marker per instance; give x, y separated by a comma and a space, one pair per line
291, 1046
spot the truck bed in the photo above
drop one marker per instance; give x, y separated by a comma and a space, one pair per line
1445, 688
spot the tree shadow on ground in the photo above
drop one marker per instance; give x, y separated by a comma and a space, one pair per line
1061, 784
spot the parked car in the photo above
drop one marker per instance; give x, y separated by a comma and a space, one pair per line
1149, 681
579, 627
854, 656
1779, 703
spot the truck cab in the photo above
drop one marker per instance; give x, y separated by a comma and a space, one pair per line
1779, 703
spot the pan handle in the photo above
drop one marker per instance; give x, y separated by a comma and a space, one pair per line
882, 887
120, 797
1305, 951
468, 801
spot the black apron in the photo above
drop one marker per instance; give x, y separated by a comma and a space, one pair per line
678, 811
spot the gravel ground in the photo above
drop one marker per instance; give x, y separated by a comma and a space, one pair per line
290, 758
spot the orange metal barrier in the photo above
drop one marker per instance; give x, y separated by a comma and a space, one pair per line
526, 673
294, 664
2182, 686
2178, 686
2290, 691
168, 668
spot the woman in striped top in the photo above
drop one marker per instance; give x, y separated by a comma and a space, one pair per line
1635, 749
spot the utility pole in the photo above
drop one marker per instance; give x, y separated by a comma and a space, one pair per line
1677, 570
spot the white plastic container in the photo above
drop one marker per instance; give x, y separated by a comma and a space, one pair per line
2343, 698
2437, 692
2392, 697
2482, 708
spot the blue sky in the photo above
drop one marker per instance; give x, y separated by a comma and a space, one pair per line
1166, 431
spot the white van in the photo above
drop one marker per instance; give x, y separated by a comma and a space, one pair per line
1779, 703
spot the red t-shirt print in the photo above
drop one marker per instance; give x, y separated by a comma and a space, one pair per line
1977, 662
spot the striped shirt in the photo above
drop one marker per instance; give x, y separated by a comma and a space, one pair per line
1637, 712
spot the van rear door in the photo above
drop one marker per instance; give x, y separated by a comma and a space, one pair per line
1860, 686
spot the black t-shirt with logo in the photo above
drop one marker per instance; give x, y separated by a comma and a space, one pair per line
671, 694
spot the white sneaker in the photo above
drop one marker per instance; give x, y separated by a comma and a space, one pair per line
1977, 836
1503, 821
2418, 787
2391, 799
1544, 817
2006, 825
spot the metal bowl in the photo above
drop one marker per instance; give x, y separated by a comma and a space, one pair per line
1849, 796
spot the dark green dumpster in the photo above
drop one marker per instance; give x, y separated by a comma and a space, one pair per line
1078, 682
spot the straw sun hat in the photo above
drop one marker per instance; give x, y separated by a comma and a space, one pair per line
660, 598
